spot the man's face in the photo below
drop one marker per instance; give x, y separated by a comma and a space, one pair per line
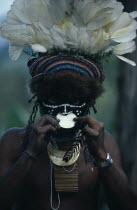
54, 106
64, 97
65, 109
65, 94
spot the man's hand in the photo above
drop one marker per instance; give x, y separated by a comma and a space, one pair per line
40, 130
93, 130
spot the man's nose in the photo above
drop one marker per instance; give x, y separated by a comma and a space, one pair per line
66, 110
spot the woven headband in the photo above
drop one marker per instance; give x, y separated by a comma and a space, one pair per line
55, 64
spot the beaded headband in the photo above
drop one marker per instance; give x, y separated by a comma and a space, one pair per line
55, 64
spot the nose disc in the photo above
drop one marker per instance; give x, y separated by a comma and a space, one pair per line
66, 121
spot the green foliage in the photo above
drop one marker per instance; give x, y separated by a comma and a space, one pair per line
106, 104
14, 108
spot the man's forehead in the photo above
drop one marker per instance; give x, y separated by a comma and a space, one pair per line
64, 87
62, 90
63, 97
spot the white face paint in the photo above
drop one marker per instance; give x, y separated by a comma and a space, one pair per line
66, 114
67, 108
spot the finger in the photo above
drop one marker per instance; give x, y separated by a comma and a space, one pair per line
81, 122
48, 119
91, 131
46, 129
55, 118
85, 120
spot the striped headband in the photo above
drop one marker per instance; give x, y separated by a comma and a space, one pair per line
57, 63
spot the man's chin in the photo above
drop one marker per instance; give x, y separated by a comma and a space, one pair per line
66, 135
64, 145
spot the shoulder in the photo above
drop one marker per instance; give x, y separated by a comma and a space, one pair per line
13, 135
11, 142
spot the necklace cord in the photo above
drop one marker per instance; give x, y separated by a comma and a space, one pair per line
51, 192
71, 169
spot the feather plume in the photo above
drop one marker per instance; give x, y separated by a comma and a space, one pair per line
123, 48
95, 27
124, 35
15, 51
72, 152
124, 21
126, 60
38, 48
133, 14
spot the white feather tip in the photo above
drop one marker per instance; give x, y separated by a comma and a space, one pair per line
38, 48
126, 60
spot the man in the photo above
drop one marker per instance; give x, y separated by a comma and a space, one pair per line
59, 161
25, 166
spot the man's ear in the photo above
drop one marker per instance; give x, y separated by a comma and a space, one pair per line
92, 103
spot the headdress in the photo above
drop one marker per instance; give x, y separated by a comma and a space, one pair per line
96, 28
57, 63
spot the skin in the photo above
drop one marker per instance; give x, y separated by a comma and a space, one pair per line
27, 180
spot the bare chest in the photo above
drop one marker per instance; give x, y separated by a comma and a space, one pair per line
41, 188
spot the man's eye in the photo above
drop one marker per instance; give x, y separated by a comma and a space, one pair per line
52, 100
76, 102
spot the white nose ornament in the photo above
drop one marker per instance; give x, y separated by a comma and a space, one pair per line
66, 121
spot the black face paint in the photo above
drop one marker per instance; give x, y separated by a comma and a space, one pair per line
65, 135
64, 109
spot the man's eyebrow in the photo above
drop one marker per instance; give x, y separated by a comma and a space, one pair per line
61, 105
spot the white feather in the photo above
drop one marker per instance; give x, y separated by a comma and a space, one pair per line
123, 21
98, 41
103, 12
38, 48
117, 8
18, 12
89, 25
15, 51
126, 60
17, 29
125, 34
83, 39
101, 19
124, 48
126, 37
71, 33
134, 23
12, 19
112, 4
80, 4
58, 37
85, 13
133, 14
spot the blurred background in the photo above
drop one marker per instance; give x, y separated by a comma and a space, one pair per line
117, 107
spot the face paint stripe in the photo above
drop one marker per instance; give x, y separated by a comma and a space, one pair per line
67, 105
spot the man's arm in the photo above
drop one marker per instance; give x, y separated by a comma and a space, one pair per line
13, 167
120, 194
